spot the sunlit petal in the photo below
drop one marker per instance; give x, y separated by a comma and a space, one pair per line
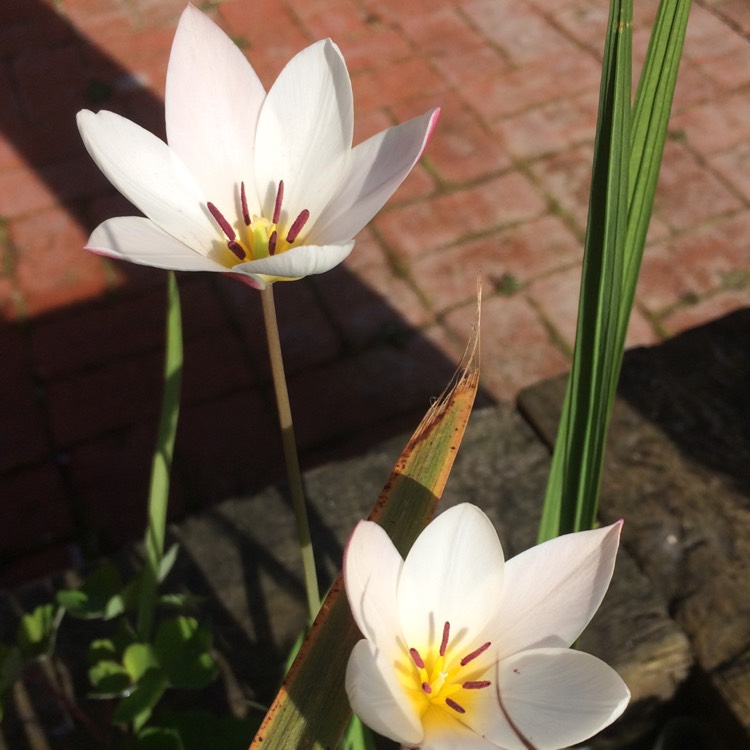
305, 260
149, 174
453, 573
304, 132
376, 168
139, 240
213, 98
552, 590
372, 566
558, 697
377, 697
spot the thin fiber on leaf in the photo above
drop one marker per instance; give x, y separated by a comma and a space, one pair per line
311, 709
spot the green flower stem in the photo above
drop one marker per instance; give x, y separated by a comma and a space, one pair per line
162, 464
294, 475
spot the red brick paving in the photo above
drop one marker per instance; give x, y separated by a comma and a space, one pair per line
503, 188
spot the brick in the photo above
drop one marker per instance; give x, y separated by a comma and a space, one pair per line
554, 127
35, 565
229, 446
26, 25
556, 297
514, 342
424, 227
381, 46
51, 267
443, 33
585, 22
350, 395
116, 396
734, 166
695, 313
307, 337
23, 438
687, 193
473, 69
545, 80
693, 264
339, 20
396, 82
35, 510
461, 150
372, 306
518, 254
714, 126
515, 27
111, 480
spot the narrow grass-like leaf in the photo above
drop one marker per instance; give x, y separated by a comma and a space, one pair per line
573, 486
311, 709
625, 174
162, 463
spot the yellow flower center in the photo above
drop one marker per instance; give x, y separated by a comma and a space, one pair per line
258, 236
437, 679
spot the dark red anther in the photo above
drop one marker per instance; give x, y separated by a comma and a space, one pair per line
476, 684
277, 205
296, 228
427, 687
237, 249
243, 199
226, 227
272, 242
446, 636
455, 706
474, 654
416, 658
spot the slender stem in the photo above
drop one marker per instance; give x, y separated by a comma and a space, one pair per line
290, 450
162, 464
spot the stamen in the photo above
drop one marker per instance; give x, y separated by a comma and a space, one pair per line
427, 687
272, 242
226, 227
473, 655
237, 249
243, 199
455, 706
476, 684
416, 658
277, 206
296, 228
446, 636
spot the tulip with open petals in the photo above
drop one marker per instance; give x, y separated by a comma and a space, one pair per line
264, 186
463, 650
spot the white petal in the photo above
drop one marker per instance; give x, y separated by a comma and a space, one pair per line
304, 132
558, 697
372, 566
376, 168
139, 240
376, 696
448, 733
212, 102
453, 573
552, 591
150, 175
304, 260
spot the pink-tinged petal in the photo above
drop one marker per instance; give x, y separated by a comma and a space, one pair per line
150, 175
139, 240
304, 134
305, 260
453, 573
378, 698
372, 566
213, 98
557, 697
376, 168
552, 591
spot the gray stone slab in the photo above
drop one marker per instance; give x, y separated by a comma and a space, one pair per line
678, 472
